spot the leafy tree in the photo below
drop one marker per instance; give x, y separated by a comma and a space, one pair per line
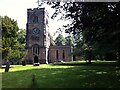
60, 40
21, 36
98, 23
101, 26
69, 40
11, 48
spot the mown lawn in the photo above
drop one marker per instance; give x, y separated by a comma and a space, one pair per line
100, 74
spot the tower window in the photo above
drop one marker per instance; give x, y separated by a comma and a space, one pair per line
35, 19
63, 56
35, 50
57, 54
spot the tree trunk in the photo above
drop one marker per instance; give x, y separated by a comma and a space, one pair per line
0, 59
0, 64
7, 66
89, 57
119, 56
118, 49
89, 60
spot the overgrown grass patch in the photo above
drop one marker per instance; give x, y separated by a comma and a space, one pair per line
66, 75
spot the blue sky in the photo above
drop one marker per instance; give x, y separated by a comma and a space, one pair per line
17, 9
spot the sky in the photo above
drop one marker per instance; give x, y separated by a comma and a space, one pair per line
17, 10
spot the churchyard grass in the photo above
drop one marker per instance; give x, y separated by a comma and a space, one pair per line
78, 74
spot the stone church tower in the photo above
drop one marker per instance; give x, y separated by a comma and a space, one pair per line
39, 44
37, 36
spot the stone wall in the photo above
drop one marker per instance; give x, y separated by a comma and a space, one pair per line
42, 57
60, 49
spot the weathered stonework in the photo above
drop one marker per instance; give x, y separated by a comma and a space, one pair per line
64, 53
38, 40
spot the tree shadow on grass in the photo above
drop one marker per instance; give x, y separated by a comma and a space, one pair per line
87, 64
72, 77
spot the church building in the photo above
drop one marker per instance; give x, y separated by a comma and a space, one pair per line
39, 44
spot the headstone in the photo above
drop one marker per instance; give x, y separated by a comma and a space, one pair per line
34, 85
33, 78
7, 67
23, 63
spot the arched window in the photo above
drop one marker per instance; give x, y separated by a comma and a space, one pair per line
63, 54
35, 49
35, 19
57, 54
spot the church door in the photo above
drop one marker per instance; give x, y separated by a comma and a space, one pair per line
36, 59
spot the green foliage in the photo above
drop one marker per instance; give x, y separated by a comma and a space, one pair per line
69, 40
97, 23
11, 48
9, 27
60, 40
21, 36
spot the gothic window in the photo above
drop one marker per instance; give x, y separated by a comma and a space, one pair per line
57, 54
63, 54
35, 19
35, 50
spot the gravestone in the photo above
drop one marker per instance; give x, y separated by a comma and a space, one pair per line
33, 78
34, 85
23, 63
7, 67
